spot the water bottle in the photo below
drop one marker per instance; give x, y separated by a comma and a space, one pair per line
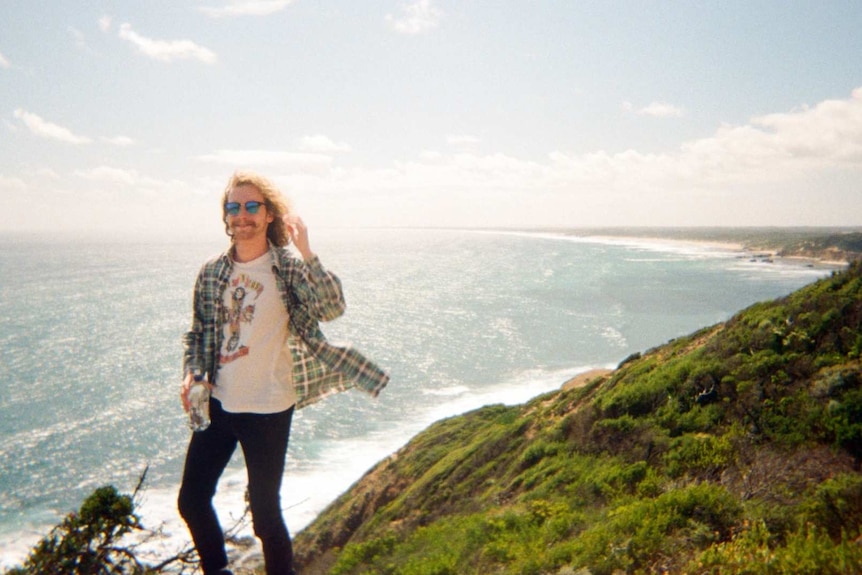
199, 404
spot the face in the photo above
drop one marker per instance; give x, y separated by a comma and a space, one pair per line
245, 226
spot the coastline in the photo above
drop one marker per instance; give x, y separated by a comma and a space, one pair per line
760, 252
833, 246
163, 499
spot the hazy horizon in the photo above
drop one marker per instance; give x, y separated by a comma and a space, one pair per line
720, 234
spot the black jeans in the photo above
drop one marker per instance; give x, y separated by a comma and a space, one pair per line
263, 438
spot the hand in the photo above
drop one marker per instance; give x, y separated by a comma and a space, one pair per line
186, 386
184, 391
298, 235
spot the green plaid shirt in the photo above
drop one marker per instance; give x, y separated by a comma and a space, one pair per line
311, 295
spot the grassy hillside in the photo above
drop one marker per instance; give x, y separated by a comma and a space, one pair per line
734, 450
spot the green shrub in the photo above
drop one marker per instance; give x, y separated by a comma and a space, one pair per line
844, 421
537, 451
674, 522
698, 453
808, 551
88, 542
836, 506
359, 554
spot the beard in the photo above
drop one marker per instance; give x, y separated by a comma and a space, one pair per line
247, 229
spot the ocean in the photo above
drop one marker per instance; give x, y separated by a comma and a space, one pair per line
90, 333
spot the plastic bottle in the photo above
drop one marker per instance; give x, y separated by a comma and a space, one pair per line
199, 404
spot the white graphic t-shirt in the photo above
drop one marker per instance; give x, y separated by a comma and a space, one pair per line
255, 371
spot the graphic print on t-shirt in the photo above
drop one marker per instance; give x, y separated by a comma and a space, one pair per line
244, 291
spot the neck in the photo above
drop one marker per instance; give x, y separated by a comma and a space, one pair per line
248, 251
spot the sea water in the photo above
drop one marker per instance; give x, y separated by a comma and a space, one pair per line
91, 329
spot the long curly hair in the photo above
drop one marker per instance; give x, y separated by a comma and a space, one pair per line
276, 204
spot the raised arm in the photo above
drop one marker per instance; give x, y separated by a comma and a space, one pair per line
318, 289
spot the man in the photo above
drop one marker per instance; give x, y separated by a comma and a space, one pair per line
255, 336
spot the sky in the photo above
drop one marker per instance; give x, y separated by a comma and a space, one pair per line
128, 118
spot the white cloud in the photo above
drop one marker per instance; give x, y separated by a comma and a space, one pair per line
78, 36
4, 63
47, 173
463, 141
417, 17
656, 110
322, 145
798, 167
291, 161
773, 148
105, 23
166, 50
246, 8
109, 175
121, 141
831, 131
45, 129
80, 40
13, 184
758, 173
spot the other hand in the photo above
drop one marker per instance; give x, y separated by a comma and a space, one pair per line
298, 234
184, 391
186, 386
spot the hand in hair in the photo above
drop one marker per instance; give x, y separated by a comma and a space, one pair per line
298, 235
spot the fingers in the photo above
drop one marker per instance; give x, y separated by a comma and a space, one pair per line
294, 225
298, 233
184, 398
184, 392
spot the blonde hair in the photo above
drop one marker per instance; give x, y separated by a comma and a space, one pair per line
275, 202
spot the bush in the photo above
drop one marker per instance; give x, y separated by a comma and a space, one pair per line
836, 506
86, 543
92, 541
808, 551
671, 524
844, 421
698, 453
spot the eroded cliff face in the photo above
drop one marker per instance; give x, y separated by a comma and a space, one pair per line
834, 254
845, 247
747, 433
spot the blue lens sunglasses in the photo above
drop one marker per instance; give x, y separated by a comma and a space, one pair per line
232, 208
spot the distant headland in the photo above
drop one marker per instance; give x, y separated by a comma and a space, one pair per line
826, 244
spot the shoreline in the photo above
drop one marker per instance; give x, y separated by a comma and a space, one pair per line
827, 245
793, 246
760, 253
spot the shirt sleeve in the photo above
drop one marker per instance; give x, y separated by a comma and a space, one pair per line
193, 345
319, 290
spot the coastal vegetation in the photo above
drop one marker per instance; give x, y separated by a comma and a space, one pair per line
736, 449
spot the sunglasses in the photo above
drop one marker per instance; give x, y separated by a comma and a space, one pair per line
232, 208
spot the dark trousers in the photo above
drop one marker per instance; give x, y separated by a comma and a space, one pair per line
263, 438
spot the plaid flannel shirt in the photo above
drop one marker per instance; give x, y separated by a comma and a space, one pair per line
310, 294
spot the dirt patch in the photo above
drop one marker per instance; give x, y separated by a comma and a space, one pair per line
583, 379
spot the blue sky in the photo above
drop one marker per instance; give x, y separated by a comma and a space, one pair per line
129, 117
